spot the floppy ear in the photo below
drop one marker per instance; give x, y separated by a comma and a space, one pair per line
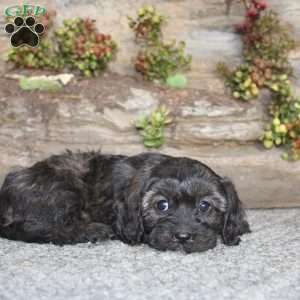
235, 223
128, 189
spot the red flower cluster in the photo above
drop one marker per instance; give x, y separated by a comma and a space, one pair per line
252, 14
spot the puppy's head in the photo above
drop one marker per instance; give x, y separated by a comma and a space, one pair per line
181, 204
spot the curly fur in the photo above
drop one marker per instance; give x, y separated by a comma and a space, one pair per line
80, 197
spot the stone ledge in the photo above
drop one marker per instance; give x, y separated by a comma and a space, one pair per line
200, 117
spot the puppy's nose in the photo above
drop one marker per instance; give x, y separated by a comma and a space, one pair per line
183, 236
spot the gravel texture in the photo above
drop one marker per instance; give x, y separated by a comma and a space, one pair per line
266, 265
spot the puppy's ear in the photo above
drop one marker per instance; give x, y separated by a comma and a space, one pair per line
129, 222
235, 223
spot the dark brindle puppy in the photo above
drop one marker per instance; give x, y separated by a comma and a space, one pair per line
166, 202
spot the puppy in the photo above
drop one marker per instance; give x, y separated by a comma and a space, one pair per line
166, 202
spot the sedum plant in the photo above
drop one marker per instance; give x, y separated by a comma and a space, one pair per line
82, 47
266, 45
156, 60
160, 61
148, 23
41, 57
284, 129
152, 127
76, 45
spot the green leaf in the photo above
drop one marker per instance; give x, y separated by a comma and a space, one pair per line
155, 143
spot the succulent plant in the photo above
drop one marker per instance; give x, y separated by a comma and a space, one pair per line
147, 25
152, 127
266, 43
240, 82
160, 61
76, 45
41, 57
83, 48
285, 126
266, 46
156, 60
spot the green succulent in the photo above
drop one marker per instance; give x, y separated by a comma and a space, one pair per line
76, 45
285, 126
162, 60
151, 127
147, 26
158, 60
41, 57
267, 43
83, 48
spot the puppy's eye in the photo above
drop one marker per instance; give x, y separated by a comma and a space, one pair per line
204, 206
163, 205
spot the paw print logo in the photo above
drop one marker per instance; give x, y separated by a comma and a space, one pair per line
24, 32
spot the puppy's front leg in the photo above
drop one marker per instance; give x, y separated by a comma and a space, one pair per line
82, 233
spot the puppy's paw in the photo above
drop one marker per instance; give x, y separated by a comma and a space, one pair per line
96, 232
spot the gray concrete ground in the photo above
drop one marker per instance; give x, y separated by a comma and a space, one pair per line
265, 266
